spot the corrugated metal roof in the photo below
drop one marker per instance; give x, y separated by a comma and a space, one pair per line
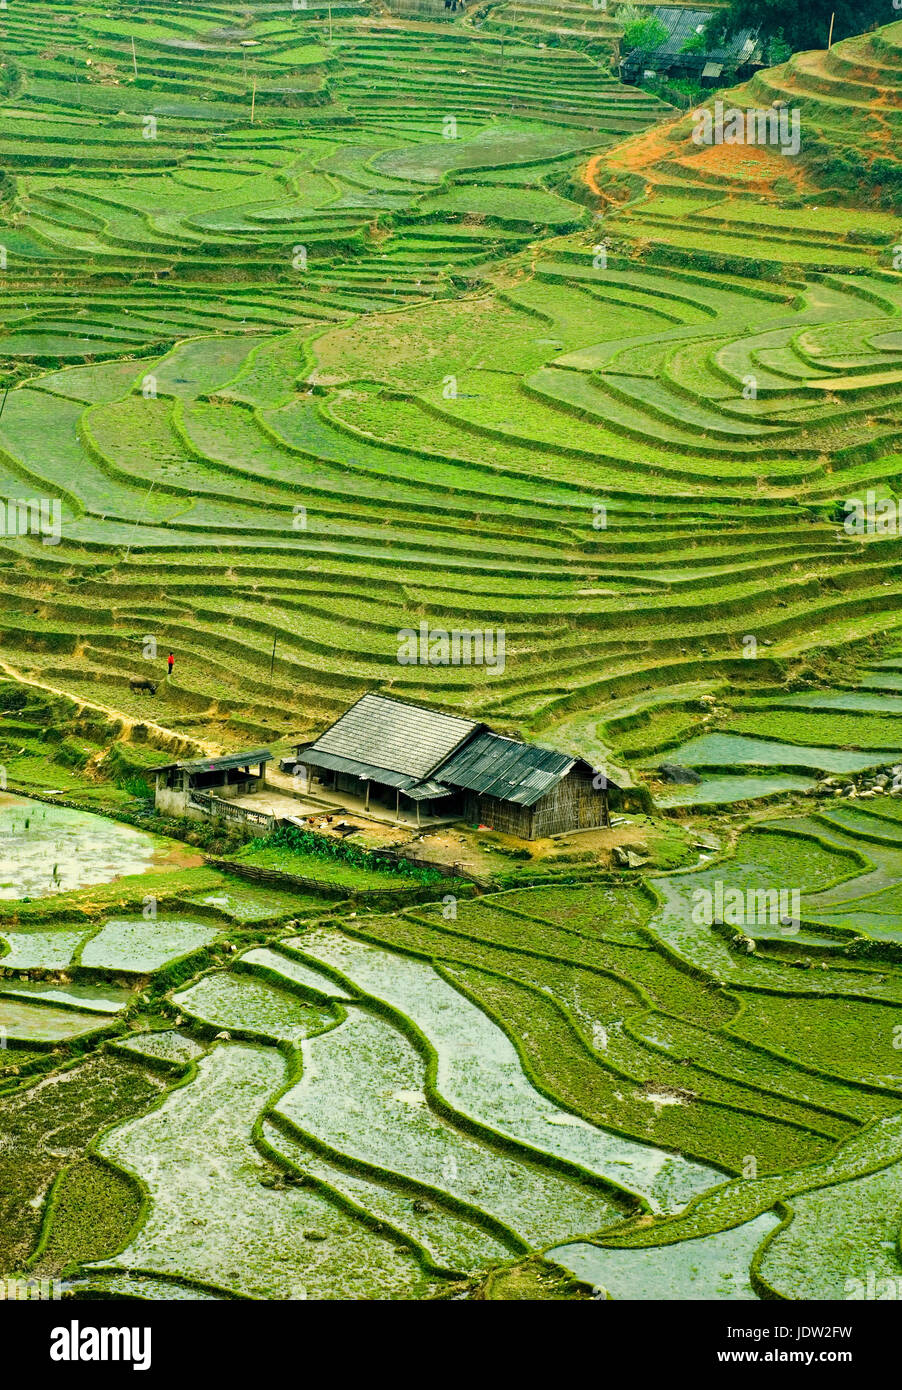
367, 772
255, 755
427, 791
387, 735
682, 25
504, 768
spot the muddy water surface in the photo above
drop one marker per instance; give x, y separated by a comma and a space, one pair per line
51, 849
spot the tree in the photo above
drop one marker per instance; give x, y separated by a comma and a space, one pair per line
801, 26
639, 30
697, 42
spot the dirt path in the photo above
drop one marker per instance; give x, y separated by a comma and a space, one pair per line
128, 721
589, 173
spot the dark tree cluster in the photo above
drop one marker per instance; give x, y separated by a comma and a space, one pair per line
806, 25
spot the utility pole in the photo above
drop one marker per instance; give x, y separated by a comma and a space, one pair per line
253, 101
272, 660
138, 522
134, 56
330, 23
830, 38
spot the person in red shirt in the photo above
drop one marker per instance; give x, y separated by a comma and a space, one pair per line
170, 662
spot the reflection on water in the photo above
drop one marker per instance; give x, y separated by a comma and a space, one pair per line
52, 849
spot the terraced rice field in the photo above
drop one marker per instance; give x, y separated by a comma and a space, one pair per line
320, 324
418, 1105
315, 377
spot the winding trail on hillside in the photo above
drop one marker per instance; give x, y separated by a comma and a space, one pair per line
127, 721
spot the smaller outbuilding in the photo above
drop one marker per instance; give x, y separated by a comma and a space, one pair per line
739, 56
192, 788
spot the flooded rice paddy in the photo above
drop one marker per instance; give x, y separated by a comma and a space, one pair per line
53, 849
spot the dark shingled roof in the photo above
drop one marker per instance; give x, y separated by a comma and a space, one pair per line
507, 769
379, 735
256, 755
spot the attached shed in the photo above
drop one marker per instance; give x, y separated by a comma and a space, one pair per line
190, 788
524, 790
388, 749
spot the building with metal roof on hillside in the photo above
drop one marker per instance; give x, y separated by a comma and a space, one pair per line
737, 56
199, 787
394, 753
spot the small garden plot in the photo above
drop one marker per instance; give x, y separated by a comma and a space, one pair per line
718, 791
449, 1240
72, 1106
848, 1038
841, 1242
135, 946
215, 1219
166, 1045
480, 1073
722, 751
47, 948
352, 870
52, 849
21, 1021
712, 1267
298, 972
249, 1006
845, 730
363, 1094
101, 999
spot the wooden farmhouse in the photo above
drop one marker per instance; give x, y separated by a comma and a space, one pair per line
395, 754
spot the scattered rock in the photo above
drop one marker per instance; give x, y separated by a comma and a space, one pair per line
672, 772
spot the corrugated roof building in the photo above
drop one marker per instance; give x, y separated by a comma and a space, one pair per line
448, 766
185, 788
739, 53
